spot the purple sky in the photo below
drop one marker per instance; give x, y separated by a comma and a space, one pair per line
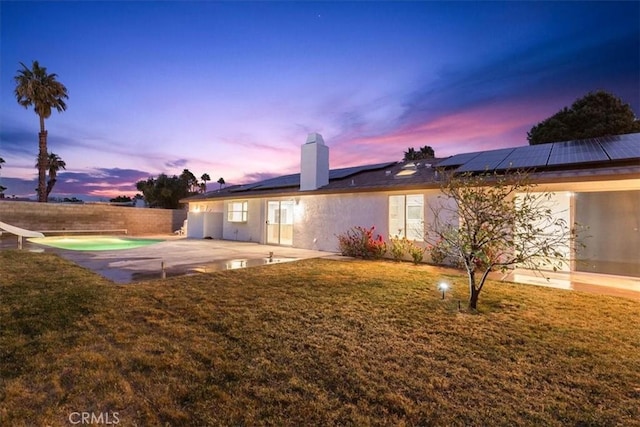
233, 88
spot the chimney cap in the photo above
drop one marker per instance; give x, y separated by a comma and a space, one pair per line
314, 137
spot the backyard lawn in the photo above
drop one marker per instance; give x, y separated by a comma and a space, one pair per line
314, 342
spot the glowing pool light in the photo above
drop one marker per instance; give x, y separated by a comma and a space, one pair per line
93, 243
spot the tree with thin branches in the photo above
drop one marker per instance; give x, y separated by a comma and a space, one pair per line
35, 87
190, 180
489, 222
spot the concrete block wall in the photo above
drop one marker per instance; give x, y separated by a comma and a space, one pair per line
60, 216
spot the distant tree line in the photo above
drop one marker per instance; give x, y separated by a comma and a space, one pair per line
425, 152
166, 191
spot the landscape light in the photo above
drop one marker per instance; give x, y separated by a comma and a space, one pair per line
443, 286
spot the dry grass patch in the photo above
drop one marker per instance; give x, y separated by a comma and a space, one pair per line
314, 342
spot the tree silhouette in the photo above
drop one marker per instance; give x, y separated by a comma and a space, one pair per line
54, 164
594, 115
2, 188
205, 177
425, 152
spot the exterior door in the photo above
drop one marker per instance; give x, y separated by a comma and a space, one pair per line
280, 222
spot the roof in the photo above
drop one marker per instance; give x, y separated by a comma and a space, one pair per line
569, 160
293, 180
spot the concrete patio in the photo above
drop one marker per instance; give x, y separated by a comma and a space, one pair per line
180, 256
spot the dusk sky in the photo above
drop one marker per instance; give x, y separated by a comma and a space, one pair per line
233, 88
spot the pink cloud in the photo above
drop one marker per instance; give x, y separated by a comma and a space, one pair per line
483, 128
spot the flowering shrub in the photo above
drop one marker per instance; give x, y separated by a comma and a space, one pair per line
398, 247
359, 242
416, 251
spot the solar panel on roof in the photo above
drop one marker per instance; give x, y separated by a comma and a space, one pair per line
244, 187
277, 182
488, 160
622, 146
280, 181
293, 180
527, 157
458, 159
571, 152
602, 149
345, 172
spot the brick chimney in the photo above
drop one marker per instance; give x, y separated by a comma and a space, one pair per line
314, 163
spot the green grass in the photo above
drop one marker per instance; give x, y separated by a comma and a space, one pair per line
315, 342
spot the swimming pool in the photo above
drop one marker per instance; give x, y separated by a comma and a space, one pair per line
93, 243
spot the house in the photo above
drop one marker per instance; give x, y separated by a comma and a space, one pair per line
595, 182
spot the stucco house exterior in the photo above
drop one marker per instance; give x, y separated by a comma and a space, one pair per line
595, 182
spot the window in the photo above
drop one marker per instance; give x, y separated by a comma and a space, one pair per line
237, 211
406, 216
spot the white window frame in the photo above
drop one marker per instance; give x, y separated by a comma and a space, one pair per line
400, 222
238, 211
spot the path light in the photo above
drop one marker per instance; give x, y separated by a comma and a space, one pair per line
443, 286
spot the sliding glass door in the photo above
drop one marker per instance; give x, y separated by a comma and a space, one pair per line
280, 222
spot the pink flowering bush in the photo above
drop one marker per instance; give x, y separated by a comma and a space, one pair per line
360, 242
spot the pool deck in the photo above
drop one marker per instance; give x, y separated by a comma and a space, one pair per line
180, 256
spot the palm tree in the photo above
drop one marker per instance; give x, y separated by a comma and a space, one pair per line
35, 87
2, 188
205, 177
410, 154
221, 182
54, 164
427, 152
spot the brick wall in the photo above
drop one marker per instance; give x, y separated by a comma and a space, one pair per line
60, 216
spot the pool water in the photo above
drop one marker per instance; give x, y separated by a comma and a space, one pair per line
93, 243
